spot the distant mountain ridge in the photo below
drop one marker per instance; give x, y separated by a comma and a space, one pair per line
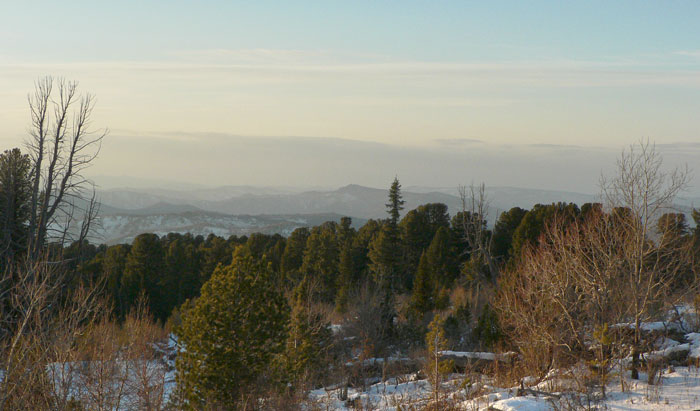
351, 200
242, 210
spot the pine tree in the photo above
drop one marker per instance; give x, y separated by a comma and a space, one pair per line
15, 203
534, 222
113, 266
321, 260
345, 231
346, 275
361, 246
503, 231
417, 229
385, 259
423, 296
293, 254
309, 341
487, 331
396, 202
143, 273
440, 257
229, 336
435, 368
214, 251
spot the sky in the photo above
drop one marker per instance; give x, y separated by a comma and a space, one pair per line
542, 94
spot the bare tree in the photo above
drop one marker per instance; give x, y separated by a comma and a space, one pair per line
644, 190
40, 321
101, 380
475, 207
607, 267
61, 145
148, 371
562, 290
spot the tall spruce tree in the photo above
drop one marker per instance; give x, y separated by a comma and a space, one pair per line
396, 202
385, 248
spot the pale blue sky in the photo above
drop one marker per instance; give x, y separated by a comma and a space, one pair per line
427, 31
409, 73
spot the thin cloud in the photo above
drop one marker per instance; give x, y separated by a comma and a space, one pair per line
277, 65
687, 53
248, 55
452, 142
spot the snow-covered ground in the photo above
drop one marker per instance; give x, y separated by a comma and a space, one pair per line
677, 386
678, 389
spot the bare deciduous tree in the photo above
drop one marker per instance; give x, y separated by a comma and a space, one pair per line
645, 191
61, 145
475, 207
40, 321
608, 267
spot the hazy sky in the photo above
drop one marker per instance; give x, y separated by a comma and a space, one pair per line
212, 92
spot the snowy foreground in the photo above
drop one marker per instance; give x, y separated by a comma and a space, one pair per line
676, 350
679, 389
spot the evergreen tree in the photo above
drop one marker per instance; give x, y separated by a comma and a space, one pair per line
423, 296
417, 229
181, 278
214, 251
229, 336
345, 231
440, 256
436, 272
487, 331
171, 281
396, 202
347, 272
293, 255
385, 259
15, 203
673, 223
385, 263
321, 260
144, 272
535, 220
90, 268
503, 231
437, 369
308, 343
361, 246
113, 265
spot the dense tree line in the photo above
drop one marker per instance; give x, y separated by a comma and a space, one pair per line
423, 255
